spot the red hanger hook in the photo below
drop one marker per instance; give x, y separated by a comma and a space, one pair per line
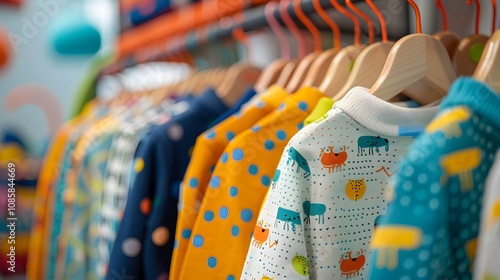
333, 26
369, 21
440, 5
301, 42
357, 28
309, 25
494, 15
478, 15
239, 34
277, 29
417, 15
381, 19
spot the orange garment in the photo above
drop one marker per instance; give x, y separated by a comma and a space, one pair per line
48, 176
221, 235
207, 151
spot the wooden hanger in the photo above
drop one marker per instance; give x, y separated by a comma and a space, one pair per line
340, 68
305, 63
238, 79
321, 64
418, 65
271, 74
488, 69
469, 49
449, 39
371, 60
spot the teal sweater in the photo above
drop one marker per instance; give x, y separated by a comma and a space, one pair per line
431, 227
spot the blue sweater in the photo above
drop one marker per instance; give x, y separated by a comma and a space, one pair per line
431, 227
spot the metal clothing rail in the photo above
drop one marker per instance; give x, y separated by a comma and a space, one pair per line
395, 12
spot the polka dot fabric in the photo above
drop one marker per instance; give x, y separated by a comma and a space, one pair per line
328, 190
243, 178
207, 151
145, 238
431, 228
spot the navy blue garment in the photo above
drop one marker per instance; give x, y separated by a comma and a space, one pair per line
249, 93
145, 238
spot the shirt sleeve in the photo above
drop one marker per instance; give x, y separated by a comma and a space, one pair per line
278, 248
140, 240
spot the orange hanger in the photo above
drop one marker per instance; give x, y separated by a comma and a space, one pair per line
306, 61
309, 25
370, 61
418, 65
469, 50
341, 66
494, 16
449, 39
369, 22
296, 33
320, 65
239, 35
272, 73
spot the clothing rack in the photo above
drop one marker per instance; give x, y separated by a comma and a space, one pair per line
254, 19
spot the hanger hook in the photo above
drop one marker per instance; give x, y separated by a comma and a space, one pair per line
240, 35
494, 16
277, 29
440, 5
301, 42
357, 28
333, 26
478, 15
369, 21
417, 15
297, 7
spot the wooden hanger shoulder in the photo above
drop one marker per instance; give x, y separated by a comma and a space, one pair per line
300, 72
418, 65
339, 69
367, 67
270, 75
287, 73
449, 40
238, 79
319, 68
488, 69
468, 53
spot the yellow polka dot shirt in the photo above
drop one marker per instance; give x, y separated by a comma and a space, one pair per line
221, 234
207, 151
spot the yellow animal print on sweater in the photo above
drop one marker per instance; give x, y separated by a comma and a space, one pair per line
494, 214
388, 240
470, 251
461, 164
449, 122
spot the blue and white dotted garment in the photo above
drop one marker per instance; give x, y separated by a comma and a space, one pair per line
328, 192
431, 228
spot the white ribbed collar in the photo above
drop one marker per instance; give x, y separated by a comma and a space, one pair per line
383, 117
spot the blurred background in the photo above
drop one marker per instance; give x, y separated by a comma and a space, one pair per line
53, 51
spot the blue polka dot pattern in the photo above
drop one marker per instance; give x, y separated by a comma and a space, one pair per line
246, 215
253, 169
235, 231
186, 233
212, 262
193, 182
282, 106
223, 212
198, 241
210, 135
209, 216
265, 180
238, 154
233, 191
260, 104
303, 106
255, 128
215, 182
269, 145
281, 135
300, 126
230, 277
224, 158
230, 135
